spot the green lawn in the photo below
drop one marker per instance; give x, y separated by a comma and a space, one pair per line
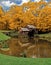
5, 30
45, 36
3, 37
9, 60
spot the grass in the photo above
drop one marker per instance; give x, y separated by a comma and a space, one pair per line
9, 60
45, 36
5, 30
3, 37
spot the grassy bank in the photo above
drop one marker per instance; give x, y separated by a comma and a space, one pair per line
3, 37
46, 36
9, 60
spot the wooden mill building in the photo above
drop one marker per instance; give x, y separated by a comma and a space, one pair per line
27, 32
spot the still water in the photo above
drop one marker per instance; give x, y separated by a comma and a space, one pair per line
39, 49
33, 48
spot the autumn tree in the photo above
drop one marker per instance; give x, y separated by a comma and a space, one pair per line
35, 13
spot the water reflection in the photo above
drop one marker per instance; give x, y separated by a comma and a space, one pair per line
39, 49
34, 48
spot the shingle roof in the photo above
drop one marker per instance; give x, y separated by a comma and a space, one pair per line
24, 29
31, 26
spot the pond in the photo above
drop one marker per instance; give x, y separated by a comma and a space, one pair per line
34, 48
39, 49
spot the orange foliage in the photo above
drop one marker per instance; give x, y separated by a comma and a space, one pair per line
37, 14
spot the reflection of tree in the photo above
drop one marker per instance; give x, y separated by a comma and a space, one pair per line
4, 44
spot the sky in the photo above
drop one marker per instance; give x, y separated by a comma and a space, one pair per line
7, 3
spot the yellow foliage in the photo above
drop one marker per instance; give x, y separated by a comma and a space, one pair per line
37, 14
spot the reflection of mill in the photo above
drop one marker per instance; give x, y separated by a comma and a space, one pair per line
37, 46
28, 35
33, 50
36, 50
39, 49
